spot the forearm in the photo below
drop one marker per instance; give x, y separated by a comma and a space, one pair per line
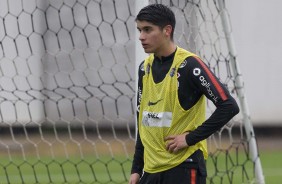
222, 115
138, 162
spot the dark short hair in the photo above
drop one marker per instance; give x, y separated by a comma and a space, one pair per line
159, 15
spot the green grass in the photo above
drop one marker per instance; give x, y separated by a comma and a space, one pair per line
241, 169
108, 170
272, 166
72, 170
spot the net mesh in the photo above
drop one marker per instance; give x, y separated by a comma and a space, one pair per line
67, 90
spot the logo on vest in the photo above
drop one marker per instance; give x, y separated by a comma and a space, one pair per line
154, 103
172, 72
156, 119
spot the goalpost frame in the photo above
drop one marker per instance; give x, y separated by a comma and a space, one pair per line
239, 86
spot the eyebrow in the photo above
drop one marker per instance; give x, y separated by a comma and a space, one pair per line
145, 27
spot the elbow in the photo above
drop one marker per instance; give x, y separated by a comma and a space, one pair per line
230, 107
235, 109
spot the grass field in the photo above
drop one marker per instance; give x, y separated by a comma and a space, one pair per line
72, 170
271, 163
272, 166
37, 161
106, 170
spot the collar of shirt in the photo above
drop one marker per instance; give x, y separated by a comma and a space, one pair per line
165, 58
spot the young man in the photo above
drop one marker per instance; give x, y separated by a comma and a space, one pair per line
172, 86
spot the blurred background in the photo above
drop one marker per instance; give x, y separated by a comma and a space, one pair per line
257, 29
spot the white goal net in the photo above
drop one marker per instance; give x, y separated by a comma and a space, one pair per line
67, 90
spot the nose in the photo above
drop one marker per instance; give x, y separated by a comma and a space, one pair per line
141, 36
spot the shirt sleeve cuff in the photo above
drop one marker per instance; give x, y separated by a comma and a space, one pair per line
189, 140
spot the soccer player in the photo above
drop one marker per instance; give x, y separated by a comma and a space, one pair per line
173, 84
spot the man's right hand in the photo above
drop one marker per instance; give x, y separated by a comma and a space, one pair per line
134, 178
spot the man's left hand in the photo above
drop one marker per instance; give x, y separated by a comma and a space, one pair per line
176, 142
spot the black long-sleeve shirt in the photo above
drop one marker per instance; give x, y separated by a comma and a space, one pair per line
195, 79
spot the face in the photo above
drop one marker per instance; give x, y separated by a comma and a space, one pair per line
152, 37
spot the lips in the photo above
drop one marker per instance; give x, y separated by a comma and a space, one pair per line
144, 45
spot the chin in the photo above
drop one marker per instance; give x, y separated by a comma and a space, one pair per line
148, 51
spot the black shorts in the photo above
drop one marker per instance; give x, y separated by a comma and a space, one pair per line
192, 171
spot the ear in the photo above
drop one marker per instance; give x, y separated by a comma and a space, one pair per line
167, 30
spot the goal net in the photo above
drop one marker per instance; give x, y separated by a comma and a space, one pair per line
67, 90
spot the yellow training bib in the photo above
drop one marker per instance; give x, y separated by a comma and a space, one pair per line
161, 115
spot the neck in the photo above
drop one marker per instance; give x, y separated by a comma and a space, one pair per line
166, 50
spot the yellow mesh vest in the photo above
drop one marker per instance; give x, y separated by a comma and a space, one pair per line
161, 115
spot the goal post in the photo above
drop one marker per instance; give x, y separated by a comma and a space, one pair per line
239, 85
68, 71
